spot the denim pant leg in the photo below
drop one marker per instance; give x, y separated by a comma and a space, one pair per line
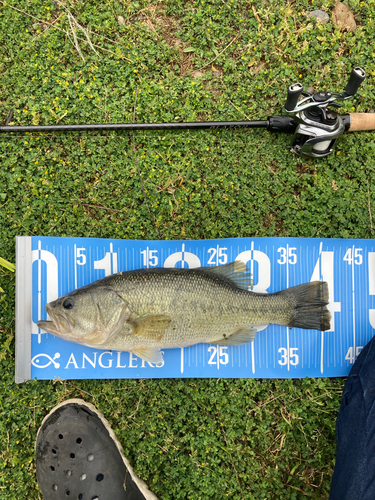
354, 474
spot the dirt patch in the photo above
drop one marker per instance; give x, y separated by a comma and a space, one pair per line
158, 22
260, 67
166, 27
186, 63
343, 17
197, 74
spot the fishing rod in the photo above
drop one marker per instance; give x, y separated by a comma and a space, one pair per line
315, 126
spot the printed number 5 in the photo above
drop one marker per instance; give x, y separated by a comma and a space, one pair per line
81, 255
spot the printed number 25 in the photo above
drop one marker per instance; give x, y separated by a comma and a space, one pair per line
220, 353
219, 254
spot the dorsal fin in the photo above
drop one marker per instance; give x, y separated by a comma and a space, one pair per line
236, 272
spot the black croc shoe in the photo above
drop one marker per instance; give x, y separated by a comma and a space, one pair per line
78, 457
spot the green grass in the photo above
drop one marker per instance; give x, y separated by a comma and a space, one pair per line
238, 439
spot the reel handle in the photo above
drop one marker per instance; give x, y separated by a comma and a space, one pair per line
356, 78
294, 91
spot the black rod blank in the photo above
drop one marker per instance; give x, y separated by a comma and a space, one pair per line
135, 126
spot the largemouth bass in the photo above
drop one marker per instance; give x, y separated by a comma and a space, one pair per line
147, 310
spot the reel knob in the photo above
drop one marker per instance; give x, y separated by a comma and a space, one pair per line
294, 91
356, 78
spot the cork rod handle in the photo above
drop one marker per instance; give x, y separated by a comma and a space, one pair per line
361, 121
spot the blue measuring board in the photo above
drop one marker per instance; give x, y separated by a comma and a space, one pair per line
60, 265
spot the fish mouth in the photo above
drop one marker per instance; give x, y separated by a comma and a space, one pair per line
48, 326
60, 325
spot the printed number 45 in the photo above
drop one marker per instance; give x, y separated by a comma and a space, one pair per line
352, 354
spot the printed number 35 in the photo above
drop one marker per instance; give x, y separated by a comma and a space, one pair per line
293, 356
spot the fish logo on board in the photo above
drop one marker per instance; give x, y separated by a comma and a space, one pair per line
36, 360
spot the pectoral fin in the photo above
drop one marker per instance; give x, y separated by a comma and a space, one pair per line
149, 354
243, 336
151, 327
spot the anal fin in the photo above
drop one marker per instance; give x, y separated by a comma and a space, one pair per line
149, 354
242, 336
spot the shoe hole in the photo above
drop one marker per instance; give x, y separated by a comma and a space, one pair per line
54, 451
90, 457
52, 468
67, 493
54, 487
82, 477
80, 496
79, 441
61, 436
72, 455
68, 473
99, 477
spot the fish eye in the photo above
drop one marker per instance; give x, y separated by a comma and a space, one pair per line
68, 303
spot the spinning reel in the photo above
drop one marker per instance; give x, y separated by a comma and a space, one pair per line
318, 126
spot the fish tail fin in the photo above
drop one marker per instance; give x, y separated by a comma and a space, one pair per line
310, 306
